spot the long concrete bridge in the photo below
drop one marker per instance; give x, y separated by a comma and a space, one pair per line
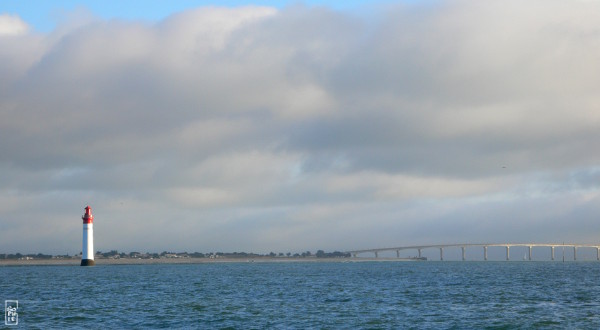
485, 247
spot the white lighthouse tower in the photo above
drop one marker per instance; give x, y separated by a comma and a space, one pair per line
87, 253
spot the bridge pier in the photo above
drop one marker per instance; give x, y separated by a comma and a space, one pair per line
530, 253
376, 255
398, 254
574, 253
507, 253
463, 253
441, 254
485, 253
597, 253
552, 250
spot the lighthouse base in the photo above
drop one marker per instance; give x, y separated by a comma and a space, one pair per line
87, 262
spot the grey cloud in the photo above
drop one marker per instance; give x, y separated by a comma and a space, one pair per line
294, 123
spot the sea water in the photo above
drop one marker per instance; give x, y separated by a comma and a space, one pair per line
307, 295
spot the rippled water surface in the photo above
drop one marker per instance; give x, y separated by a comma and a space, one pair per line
374, 295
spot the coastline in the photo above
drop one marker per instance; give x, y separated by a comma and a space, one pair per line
131, 261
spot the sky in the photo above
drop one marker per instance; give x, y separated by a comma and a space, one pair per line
293, 126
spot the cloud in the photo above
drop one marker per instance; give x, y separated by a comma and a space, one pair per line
12, 25
259, 129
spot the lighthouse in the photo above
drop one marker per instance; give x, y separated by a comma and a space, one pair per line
87, 252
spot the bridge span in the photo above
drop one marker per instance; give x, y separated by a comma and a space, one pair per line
485, 247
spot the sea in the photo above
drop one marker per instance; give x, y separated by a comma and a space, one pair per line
307, 295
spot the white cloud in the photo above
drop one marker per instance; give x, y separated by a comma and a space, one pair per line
12, 25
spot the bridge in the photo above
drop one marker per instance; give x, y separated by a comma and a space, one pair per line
485, 247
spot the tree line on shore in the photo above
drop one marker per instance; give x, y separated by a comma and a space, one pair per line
114, 254
18, 256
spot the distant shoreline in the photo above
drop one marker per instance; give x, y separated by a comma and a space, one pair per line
131, 261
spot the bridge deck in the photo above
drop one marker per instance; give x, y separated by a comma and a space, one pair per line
485, 246
422, 247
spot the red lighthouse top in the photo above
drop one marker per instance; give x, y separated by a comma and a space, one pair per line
88, 217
